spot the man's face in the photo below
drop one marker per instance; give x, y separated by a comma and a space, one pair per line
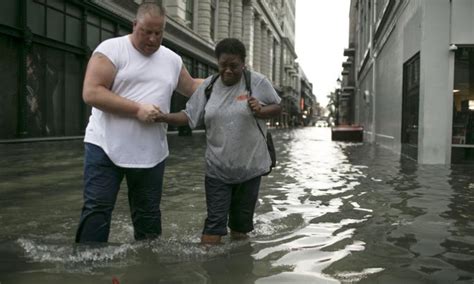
148, 33
230, 67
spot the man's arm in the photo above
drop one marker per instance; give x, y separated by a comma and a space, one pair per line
98, 80
187, 84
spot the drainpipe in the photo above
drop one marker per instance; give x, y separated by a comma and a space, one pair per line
373, 93
452, 49
26, 43
373, 56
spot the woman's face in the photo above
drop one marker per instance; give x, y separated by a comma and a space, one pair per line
230, 67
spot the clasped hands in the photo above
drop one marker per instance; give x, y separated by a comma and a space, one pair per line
150, 113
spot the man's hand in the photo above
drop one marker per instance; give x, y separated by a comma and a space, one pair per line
148, 112
254, 105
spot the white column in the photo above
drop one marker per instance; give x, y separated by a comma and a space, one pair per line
248, 32
237, 15
223, 21
264, 50
176, 10
434, 141
270, 55
257, 43
278, 64
204, 19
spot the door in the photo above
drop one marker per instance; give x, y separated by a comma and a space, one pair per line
410, 106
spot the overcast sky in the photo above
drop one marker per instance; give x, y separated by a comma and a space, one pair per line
322, 33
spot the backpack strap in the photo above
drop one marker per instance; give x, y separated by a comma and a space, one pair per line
247, 77
266, 137
208, 89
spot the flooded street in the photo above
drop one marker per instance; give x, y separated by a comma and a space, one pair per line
329, 213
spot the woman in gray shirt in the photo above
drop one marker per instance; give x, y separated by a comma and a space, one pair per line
236, 153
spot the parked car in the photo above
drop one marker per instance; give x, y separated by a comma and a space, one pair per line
321, 123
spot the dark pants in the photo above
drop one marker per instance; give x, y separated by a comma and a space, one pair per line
102, 180
235, 201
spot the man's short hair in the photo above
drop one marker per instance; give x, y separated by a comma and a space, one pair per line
150, 8
230, 46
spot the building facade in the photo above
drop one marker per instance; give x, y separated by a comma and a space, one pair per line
309, 108
409, 77
45, 46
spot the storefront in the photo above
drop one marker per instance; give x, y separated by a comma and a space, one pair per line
463, 106
44, 49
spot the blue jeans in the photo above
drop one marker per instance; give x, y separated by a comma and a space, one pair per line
230, 205
102, 180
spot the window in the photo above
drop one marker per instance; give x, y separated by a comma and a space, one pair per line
213, 18
189, 13
57, 20
98, 30
9, 51
202, 71
51, 110
9, 13
188, 63
463, 106
73, 75
36, 17
410, 106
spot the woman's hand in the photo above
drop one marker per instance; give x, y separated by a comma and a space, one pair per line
254, 105
148, 112
159, 115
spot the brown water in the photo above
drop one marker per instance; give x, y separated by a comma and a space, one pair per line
329, 213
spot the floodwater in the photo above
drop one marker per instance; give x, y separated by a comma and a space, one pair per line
329, 213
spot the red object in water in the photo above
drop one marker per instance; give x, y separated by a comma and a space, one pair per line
115, 280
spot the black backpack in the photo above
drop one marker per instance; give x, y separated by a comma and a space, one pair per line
268, 138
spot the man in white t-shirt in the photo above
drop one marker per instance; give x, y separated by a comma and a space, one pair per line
127, 78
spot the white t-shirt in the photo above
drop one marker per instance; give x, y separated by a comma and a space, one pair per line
151, 79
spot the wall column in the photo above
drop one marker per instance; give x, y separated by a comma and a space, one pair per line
278, 67
248, 32
204, 19
237, 14
176, 10
269, 54
224, 20
257, 43
434, 140
264, 51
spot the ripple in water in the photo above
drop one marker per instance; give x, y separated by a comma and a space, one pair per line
308, 223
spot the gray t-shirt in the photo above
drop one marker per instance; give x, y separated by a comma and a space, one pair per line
236, 150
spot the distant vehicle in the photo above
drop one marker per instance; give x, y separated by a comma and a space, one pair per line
321, 123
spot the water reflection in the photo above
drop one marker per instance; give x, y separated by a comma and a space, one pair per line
328, 213
312, 211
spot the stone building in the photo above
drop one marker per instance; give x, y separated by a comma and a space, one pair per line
267, 28
308, 105
45, 46
409, 77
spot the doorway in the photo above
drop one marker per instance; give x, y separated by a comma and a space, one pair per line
410, 106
